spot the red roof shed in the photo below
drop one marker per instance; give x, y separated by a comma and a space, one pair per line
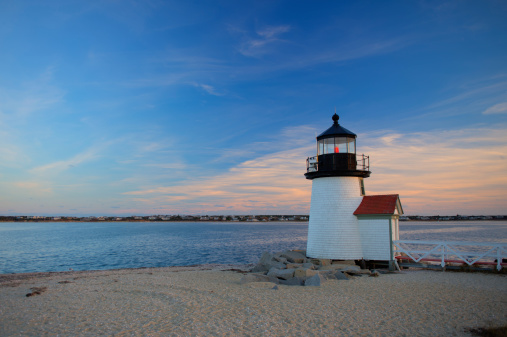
380, 204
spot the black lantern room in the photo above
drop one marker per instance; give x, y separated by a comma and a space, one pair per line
336, 155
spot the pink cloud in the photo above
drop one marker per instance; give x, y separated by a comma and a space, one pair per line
435, 173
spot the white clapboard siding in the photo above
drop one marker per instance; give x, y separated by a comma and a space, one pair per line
333, 231
375, 239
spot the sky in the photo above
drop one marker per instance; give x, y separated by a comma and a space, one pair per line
212, 107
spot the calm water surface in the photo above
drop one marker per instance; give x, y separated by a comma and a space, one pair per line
46, 246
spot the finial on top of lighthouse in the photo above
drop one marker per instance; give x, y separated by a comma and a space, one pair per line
335, 118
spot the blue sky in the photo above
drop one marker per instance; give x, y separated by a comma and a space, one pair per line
211, 107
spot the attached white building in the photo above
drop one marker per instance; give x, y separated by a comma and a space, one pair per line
378, 223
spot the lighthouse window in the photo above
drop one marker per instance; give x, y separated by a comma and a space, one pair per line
361, 186
336, 145
352, 147
329, 145
320, 149
340, 145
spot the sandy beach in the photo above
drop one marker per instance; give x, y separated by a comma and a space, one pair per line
210, 301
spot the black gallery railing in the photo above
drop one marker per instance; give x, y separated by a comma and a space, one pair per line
337, 161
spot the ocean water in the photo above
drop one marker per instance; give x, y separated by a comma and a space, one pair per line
46, 246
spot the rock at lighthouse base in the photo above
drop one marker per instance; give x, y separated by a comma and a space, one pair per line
292, 268
315, 281
284, 274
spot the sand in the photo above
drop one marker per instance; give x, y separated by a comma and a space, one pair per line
206, 301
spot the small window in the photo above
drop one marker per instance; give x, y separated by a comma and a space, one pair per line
361, 186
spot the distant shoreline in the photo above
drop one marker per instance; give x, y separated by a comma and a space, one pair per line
242, 221
8, 219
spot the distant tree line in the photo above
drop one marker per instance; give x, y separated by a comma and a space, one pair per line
234, 218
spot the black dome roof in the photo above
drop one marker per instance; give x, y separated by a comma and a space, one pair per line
336, 131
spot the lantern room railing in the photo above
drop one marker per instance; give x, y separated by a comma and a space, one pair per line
362, 163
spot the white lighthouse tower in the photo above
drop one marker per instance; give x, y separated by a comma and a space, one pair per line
337, 175
344, 223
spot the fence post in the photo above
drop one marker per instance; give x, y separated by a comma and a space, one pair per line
443, 258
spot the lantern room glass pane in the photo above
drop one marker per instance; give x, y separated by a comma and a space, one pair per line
329, 145
336, 145
320, 147
341, 145
352, 146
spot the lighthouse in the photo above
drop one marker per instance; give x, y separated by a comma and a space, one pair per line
345, 224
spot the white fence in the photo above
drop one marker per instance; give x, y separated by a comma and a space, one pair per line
478, 253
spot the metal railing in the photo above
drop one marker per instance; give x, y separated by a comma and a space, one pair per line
312, 164
451, 252
362, 163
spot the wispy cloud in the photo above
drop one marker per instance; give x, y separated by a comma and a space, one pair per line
468, 98
267, 184
265, 37
434, 172
208, 88
446, 172
35, 188
500, 108
36, 95
90, 154
11, 154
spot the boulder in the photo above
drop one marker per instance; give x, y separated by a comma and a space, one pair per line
304, 272
375, 274
308, 265
315, 281
266, 258
341, 276
294, 257
293, 265
263, 268
280, 259
321, 262
353, 269
328, 274
303, 252
248, 278
281, 273
267, 262
359, 272
295, 281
